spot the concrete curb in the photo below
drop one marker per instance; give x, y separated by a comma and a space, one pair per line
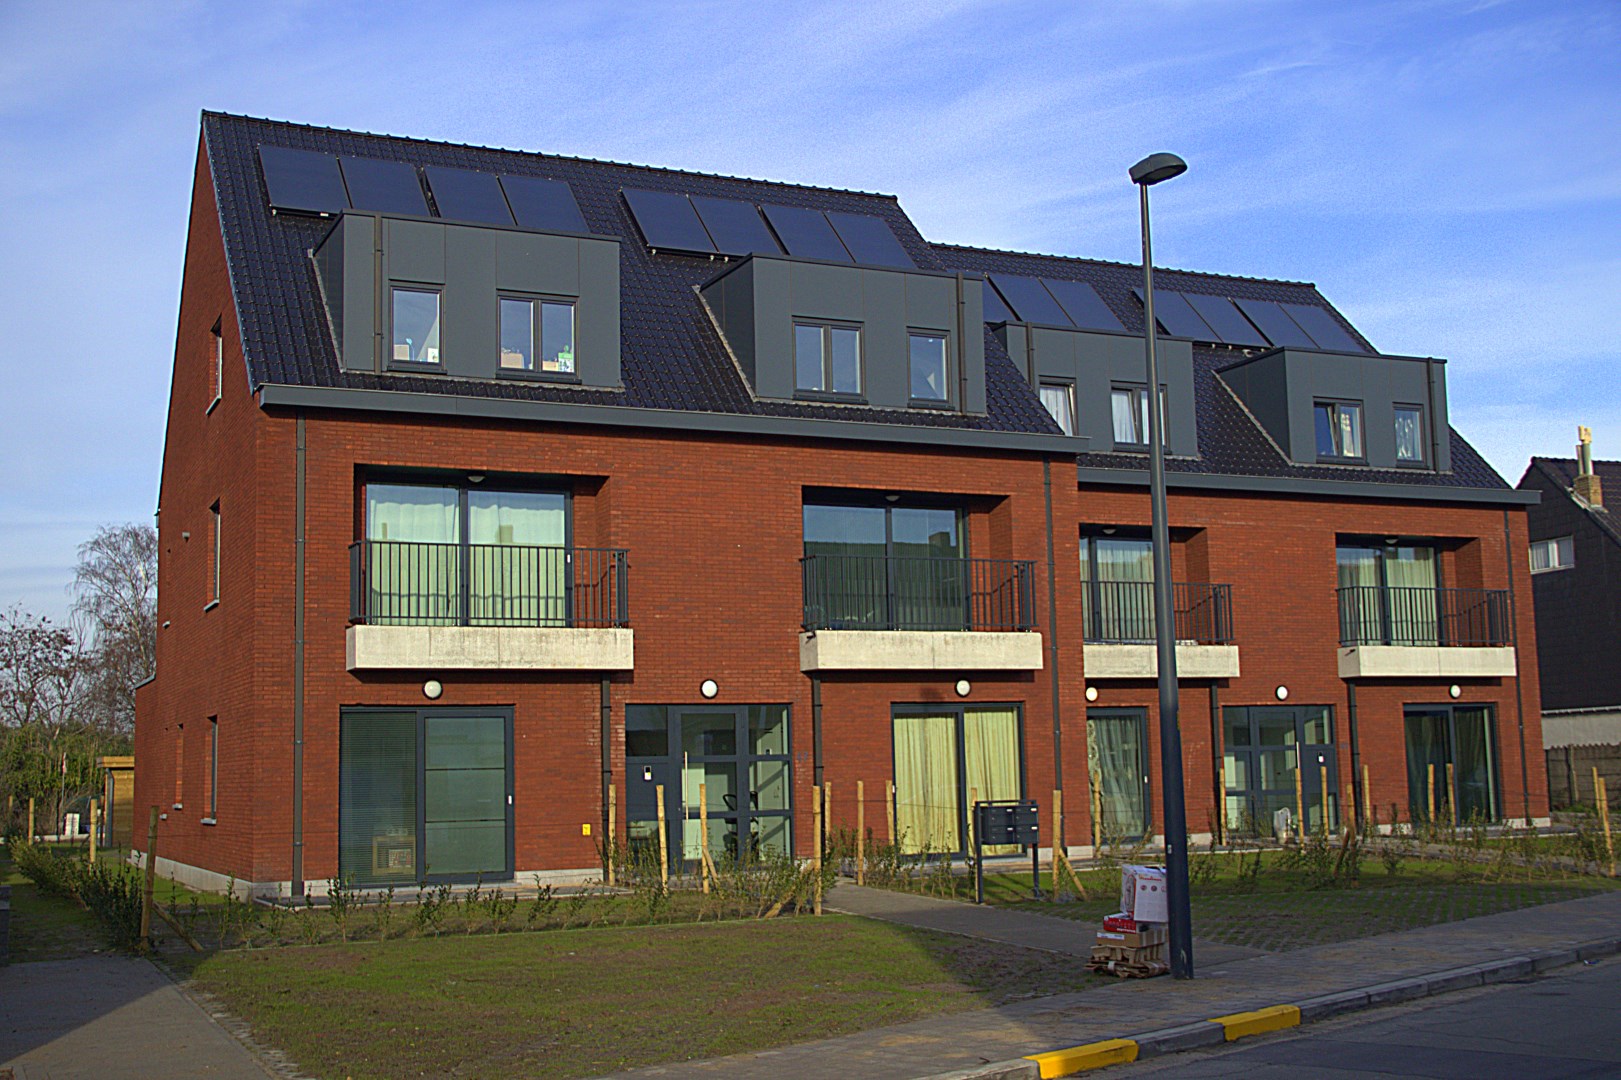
1222, 1029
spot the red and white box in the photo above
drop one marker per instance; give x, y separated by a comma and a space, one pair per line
1142, 893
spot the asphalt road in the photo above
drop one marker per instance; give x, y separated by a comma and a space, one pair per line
1563, 1024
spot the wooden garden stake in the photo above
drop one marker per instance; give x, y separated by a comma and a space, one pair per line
31, 814
1595, 795
664, 842
151, 876
612, 838
861, 832
1601, 791
1367, 797
1058, 835
1452, 797
816, 850
703, 835
1323, 772
1432, 793
1097, 812
92, 830
1300, 804
889, 810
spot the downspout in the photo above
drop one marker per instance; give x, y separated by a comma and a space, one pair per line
1218, 823
1357, 795
1514, 639
299, 454
962, 346
1052, 642
607, 757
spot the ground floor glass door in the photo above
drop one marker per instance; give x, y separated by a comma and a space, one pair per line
944, 759
424, 794
1462, 736
1117, 765
1265, 747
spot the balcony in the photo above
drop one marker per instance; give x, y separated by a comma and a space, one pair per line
487, 607
1421, 632
895, 613
1118, 629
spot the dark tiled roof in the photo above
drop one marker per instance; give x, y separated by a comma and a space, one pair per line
1231, 443
671, 356
1562, 472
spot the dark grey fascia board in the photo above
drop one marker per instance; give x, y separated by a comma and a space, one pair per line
1299, 485
556, 412
737, 262
611, 237
1262, 354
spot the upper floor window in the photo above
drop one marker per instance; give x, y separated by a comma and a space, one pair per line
214, 553
928, 360
416, 326
1339, 429
1059, 398
885, 567
524, 321
1387, 593
1410, 434
216, 361
827, 358
213, 766
1129, 407
1556, 554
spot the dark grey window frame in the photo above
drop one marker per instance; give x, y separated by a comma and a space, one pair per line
1310, 778
1140, 389
947, 352
1334, 405
438, 292
1423, 459
537, 339
1068, 386
1451, 708
1145, 760
958, 710
827, 326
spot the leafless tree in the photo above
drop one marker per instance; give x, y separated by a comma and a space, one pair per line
44, 752
115, 601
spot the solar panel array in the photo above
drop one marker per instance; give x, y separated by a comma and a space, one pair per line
306, 182
1052, 301
1249, 323
704, 225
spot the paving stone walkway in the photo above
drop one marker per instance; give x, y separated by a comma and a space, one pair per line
110, 1017
1224, 985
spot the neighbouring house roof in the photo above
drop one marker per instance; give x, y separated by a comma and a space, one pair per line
1562, 474
672, 357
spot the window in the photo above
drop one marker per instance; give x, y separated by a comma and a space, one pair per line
1129, 406
1339, 429
1451, 763
1556, 554
523, 321
213, 766
1059, 398
885, 567
929, 367
946, 756
1409, 435
1117, 594
416, 326
827, 359
217, 362
179, 766
1388, 594
214, 554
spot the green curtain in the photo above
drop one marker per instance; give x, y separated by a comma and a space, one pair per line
1472, 767
1426, 746
1114, 748
415, 568
518, 569
991, 759
927, 810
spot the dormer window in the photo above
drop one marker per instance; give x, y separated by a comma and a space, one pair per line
929, 367
1339, 430
525, 320
416, 326
1059, 398
1409, 434
1129, 407
827, 359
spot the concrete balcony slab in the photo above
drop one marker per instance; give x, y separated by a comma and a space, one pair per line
488, 648
1142, 661
1426, 662
919, 650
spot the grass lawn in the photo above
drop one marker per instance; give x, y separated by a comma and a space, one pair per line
46, 927
1281, 909
584, 1002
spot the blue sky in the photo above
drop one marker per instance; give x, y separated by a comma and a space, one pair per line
1448, 173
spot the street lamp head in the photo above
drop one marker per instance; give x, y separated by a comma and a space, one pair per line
1156, 167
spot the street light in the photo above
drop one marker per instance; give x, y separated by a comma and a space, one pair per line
1146, 173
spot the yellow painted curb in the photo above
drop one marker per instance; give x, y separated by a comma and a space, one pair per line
1091, 1056
1276, 1018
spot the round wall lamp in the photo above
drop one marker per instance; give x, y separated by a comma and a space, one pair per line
1091, 693
432, 689
709, 688
1455, 690
963, 687
1283, 693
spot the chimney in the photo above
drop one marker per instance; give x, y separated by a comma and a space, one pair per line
1588, 487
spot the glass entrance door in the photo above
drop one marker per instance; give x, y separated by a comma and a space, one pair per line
1265, 747
1117, 757
1461, 736
944, 759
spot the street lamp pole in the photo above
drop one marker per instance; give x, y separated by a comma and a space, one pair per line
1146, 173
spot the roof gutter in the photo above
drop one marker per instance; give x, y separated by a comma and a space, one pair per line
1337, 489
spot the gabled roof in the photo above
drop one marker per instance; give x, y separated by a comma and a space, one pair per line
1561, 472
672, 358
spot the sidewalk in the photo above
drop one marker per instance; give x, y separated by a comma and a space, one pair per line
1226, 983
110, 1017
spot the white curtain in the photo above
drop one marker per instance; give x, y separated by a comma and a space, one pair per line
414, 561
518, 569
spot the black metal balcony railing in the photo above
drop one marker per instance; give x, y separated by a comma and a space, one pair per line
396, 583
1375, 615
875, 592
1122, 612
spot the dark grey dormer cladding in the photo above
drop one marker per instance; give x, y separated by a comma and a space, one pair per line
364, 256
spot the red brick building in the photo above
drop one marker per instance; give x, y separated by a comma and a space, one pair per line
500, 486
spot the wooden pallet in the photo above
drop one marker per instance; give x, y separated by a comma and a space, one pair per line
1128, 963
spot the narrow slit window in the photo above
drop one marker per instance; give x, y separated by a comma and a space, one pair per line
179, 766
217, 362
213, 765
214, 553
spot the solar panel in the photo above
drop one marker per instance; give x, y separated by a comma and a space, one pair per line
735, 226
1083, 305
1224, 319
668, 221
387, 187
806, 233
870, 240
465, 195
1270, 319
1323, 329
543, 204
995, 309
1030, 299
1177, 318
302, 180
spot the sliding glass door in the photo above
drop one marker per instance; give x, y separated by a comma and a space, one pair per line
1117, 763
1462, 737
945, 758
